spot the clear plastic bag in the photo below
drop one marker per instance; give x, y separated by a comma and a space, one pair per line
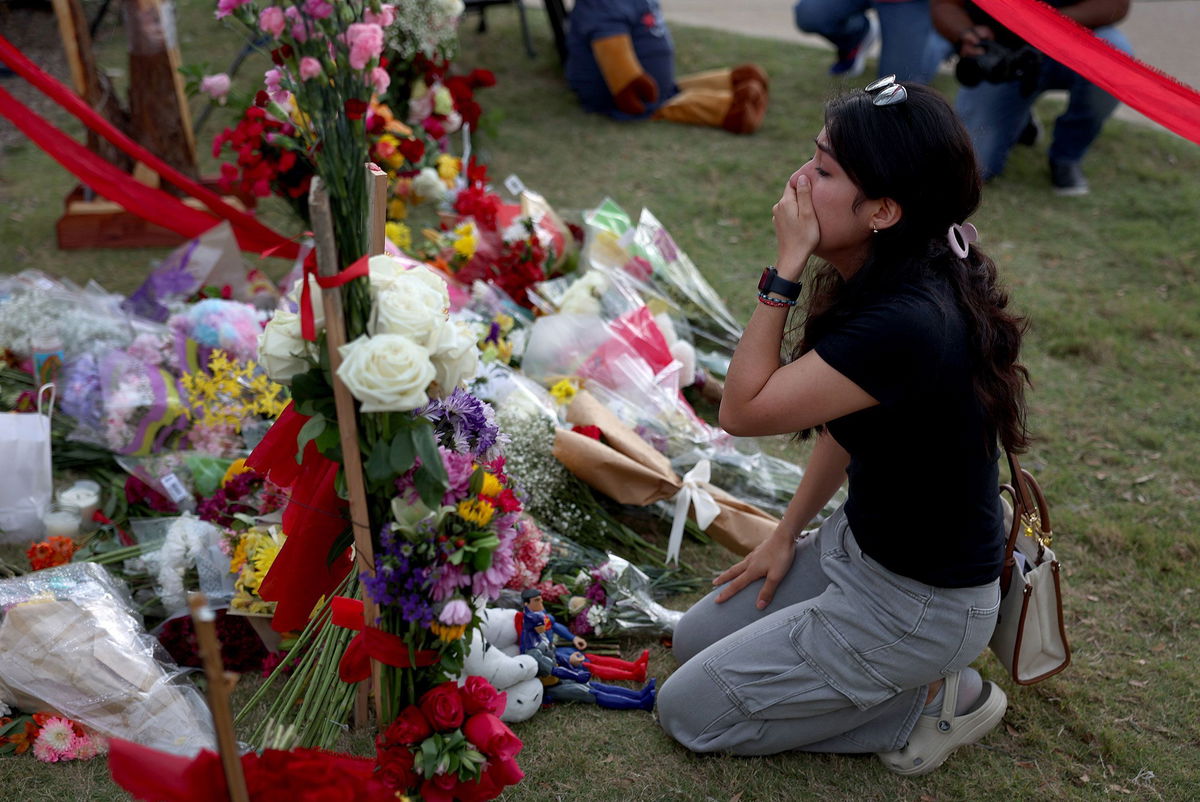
70, 642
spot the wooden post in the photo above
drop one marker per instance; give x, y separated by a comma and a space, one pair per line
220, 683
91, 83
158, 103
335, 337
377, 186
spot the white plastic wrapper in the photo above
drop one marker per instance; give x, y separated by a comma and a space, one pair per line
630, 609
71, 643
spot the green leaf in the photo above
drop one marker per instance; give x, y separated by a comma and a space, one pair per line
329, 443
311, 429
476, 485
379, 469
430, 488
482, 560
427, 449
402, 453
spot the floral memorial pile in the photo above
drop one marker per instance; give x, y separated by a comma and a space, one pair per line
499, 402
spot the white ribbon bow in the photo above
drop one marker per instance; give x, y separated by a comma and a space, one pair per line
693, 493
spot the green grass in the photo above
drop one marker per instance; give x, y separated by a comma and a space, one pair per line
1110, 285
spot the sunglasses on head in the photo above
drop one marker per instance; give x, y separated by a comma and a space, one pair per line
886, 92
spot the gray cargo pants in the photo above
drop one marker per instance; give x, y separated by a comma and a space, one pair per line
840, 661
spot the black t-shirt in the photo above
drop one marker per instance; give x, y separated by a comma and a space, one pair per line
923, 497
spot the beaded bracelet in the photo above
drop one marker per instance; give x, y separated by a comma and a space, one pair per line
778, 303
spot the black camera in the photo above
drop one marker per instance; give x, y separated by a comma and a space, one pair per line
999, 64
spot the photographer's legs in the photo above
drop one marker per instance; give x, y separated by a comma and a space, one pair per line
1088, 106
844, 23
911, 50
995, 115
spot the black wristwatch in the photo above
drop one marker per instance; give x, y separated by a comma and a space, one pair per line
771, 281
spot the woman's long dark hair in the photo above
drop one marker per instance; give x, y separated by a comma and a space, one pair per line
919, 154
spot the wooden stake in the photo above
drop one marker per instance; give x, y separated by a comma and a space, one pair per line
220, 683
335, 337
377, 186
376, 226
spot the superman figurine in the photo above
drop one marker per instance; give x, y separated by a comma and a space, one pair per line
567, 673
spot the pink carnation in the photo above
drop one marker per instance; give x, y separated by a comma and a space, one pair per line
300, 25
227, 7
385, 17
318, 9
215, 86
271, 20
309, 68
380, 79
366, 43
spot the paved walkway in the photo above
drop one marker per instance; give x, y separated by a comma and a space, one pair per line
1164, 33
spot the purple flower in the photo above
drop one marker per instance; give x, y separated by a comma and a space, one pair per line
398, 583
465, 424
455, 613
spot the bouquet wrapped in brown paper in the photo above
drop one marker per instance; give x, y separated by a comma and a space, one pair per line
629, 470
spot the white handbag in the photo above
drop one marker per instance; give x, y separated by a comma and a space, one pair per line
27, 487
1030, 638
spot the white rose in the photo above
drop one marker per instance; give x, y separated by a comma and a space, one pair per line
399, 272
282, 351
414, 312
583, 297
456, 358
318, 307
387, 373
428, 185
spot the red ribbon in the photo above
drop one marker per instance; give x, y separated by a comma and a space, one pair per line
372, 643
360, 269
1152, 92
150, 204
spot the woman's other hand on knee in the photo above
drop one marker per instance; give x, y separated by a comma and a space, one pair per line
770, 561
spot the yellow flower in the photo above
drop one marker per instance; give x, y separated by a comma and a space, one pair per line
505, 322
239, 557
465, 242
447, 633
399, 234
476, 511
397, 209
564, 391
448, 167
238, 466
491, 485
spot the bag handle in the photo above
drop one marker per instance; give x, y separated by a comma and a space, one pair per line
1030, 511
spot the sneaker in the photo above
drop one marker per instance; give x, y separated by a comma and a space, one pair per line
935, 737
1067, 178
1032, 133
852, 62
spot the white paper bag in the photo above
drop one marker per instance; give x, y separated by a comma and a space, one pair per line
27, 485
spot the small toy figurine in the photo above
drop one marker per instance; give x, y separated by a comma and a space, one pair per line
565, 672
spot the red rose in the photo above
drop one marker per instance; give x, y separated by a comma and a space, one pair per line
410, 727
492, 737
503, 772
480, 790
443, 707
480, 696
587, 431
355, 108
440, 788
396, 766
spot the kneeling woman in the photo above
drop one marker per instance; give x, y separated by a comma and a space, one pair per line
858, 637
